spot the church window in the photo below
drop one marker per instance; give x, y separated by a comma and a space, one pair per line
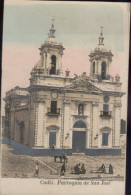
54, 107
105, 139
103, 70
123, 126
53, 65
93, 67
105, 109
80, 109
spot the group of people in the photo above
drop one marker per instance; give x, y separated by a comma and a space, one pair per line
102, 169
79, 169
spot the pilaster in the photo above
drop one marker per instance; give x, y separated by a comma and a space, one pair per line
116, 120
95, 124
40, 123
66, 122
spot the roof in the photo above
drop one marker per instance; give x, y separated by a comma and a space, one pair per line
52, 41
101, 48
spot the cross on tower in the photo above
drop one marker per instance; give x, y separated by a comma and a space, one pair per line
101, 30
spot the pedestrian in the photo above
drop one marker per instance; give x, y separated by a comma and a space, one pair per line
63, 170
64, 157
36, 170
76, 169
102, 169
110, 169
52, 146
79, 168
83, 169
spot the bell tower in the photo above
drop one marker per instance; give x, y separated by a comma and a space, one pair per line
100, 61
51, 54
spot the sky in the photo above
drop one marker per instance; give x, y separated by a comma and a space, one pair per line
27, 24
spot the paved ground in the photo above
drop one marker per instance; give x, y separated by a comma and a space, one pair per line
18, 166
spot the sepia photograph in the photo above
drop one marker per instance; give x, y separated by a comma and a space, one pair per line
64, 97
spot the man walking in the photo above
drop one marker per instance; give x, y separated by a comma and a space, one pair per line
63, 170
36, 170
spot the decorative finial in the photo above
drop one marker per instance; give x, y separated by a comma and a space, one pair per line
101, 30
67, 73
117, 78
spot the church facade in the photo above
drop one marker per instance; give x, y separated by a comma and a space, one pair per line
79, 114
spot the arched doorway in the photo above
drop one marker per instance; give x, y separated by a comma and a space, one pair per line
79, 136
103, 70
53, 65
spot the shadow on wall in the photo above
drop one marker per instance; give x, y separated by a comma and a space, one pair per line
20, 149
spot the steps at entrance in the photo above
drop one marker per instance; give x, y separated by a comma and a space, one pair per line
78, 153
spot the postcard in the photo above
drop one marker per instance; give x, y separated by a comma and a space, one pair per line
64, 97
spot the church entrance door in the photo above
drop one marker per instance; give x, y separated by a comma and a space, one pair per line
79, 141
52, 138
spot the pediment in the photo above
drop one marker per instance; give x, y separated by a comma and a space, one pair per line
53, 127
83, 83
83, 86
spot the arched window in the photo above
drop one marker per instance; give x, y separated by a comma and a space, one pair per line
103, 70
53, 65
93, 67
80, 109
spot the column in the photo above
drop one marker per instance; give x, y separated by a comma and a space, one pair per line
12, 124
57, 62
99, 67
48, 61
91, 69
43, 61
87, 139
62, 126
